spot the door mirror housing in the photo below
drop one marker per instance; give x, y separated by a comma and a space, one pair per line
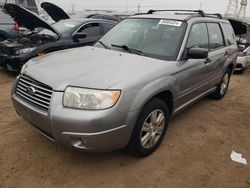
197, 53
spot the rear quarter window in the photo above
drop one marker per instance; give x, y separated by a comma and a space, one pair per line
228, 33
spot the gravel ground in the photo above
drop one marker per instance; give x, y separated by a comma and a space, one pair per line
195, 153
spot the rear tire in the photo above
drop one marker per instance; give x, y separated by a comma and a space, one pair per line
222, 87
150, 128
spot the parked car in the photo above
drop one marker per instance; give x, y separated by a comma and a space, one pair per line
64, 34
243, 60
123, 91
8, 28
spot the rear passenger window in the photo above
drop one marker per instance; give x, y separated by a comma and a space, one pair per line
215, 36
198, 37
229, 34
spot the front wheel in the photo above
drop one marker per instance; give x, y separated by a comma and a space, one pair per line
150, 128
222, 88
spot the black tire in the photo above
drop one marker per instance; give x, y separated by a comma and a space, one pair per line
135, 145
218, 94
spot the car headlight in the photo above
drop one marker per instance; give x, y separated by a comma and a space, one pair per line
90, 99
24, 51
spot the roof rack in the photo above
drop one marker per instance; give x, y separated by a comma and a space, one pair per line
201, 12
217, 14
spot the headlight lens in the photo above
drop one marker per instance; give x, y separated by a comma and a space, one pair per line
24, 51
90, 99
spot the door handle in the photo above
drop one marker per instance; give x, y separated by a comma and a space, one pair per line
226, 53
207, 61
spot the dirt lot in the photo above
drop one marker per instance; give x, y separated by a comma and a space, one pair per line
195, 152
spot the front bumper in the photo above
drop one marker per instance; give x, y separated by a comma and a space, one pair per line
93, 131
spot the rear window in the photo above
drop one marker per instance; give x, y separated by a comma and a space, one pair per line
229, 34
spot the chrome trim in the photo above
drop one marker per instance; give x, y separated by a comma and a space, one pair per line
42, 95
93, 134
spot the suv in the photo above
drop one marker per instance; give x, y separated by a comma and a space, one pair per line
123, 91
8, 28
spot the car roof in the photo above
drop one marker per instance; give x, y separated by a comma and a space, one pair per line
84, 20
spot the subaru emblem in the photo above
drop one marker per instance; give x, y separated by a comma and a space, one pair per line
31, 90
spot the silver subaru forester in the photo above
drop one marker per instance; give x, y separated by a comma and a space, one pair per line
123, 91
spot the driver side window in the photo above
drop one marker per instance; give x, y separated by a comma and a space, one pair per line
91, 29
198, 37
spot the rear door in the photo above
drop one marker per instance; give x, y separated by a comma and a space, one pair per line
217, 53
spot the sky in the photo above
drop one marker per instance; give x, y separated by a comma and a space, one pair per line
212, 6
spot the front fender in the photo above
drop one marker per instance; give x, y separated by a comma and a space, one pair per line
138, 96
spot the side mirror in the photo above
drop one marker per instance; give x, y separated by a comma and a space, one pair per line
78, 36
197, 53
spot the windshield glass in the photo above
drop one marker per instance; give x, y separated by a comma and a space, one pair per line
152, 37
63, 27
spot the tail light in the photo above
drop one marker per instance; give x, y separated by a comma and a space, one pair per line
16, 27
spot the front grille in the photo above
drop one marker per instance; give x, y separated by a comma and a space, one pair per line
34, 92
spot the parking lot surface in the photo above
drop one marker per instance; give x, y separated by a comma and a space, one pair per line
195, 153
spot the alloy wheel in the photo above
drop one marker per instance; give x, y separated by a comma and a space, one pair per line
152, 128
224, 84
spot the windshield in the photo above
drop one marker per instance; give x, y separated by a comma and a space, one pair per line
63, 27
152, 37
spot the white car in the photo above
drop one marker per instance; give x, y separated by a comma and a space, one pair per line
243, 60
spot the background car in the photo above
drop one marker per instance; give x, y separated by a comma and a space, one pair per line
8, 28
64, 34
243, 61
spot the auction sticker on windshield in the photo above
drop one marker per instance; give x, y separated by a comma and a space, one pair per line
170, 22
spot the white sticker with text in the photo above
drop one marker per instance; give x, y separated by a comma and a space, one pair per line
170, 22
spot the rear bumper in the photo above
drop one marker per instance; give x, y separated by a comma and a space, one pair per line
92, 131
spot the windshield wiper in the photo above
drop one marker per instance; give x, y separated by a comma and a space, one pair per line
104, 45
126, 48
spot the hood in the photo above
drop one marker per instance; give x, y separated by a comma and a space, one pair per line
55, 12
27, 18
89, 67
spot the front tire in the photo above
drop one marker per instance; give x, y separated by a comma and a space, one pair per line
222, 87
150, 128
